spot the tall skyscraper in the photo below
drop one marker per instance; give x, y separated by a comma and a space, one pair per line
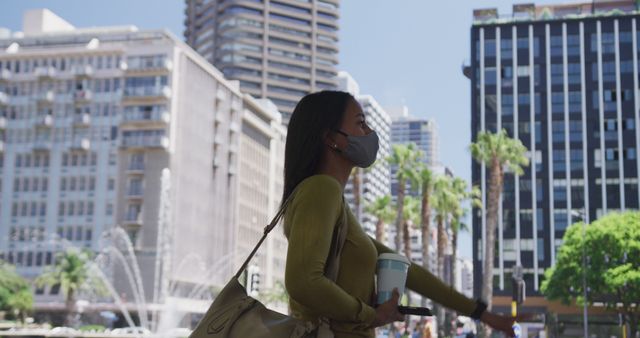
375, 180
561, 80
280, 50
422, 132
115, 126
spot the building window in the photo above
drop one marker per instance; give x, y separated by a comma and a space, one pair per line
573, 76
558, 131
506, 49
524, 71
507, 104
490, 76
524, 99
575, 131
557, 102
630, 153
576, 160
559, 160
539, 220
557, 74
556, 45
490, 48
575, 102
560, 219
573, 45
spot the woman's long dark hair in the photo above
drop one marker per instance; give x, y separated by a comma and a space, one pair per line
315, 114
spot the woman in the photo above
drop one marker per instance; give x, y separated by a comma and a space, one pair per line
327, 136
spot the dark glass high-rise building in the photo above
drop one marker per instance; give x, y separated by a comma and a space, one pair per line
277, 49
561, 79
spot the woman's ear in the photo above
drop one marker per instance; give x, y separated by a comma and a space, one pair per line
329, 140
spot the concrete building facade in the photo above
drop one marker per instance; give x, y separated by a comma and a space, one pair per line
117, 128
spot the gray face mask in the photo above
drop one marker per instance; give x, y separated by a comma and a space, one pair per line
361, 150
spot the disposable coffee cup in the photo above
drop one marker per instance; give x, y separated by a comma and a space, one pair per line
391, 274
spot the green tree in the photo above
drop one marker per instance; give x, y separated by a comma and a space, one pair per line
382, 209
411, 219
405, 158
21, 303
425, 177
72, 272
15, 292
613, 270
276, 295
458, 215
445, 201
498, 152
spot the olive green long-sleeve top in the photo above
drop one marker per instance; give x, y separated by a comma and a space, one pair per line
309, 223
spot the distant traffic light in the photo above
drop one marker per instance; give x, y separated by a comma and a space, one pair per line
518, 285
519, 290
253, 278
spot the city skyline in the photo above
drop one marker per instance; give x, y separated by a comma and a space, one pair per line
360, 54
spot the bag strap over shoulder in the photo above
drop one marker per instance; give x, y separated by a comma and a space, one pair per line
339, 235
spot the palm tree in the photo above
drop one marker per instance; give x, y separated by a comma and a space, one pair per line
426, 188
411, 219
71, 272
382, 209
15, 292
21, 303
357, 181
498, 152
458, 215
444, 203
444, 200
405, 158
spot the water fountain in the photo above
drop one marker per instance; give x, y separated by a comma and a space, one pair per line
115, 249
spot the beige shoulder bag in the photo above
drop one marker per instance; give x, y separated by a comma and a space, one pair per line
234, 314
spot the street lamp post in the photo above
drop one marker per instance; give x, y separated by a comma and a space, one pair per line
582, 214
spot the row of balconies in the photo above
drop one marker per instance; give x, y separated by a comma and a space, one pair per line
145, 64
145, 117
78, 144
50, 72
163, 92
142, 64
86, 95
46, 121
84, 119
136, 142
49, 96
133, 218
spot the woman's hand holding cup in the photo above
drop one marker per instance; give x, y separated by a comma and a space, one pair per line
387, 312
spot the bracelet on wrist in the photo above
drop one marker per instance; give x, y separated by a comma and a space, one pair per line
481, 307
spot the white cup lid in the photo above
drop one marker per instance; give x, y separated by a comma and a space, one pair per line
394, 257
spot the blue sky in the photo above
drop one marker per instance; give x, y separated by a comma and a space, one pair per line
400, 51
